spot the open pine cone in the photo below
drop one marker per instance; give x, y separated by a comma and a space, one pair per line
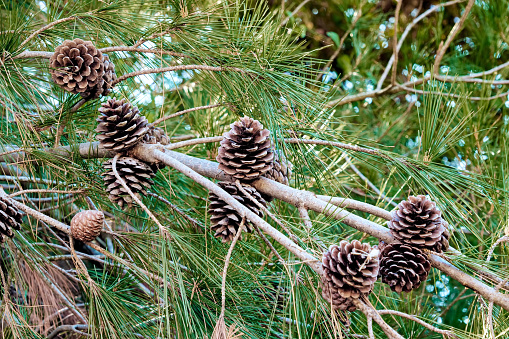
156, 135
137, 175
331, 293
349, 270
225, 221
281, 172
77, 66
417, 222
87, 225
10, 218
246, 150
443, 244
103, 86
403, 267
120, 126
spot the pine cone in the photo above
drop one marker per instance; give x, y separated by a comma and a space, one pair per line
403, 267
120, 125
103, 86
225, 221
417, 222
281, 172
156, 135
77, 66
135, 173
246, 150
332, 295
443, 244
10, 218
87, 225
350, 269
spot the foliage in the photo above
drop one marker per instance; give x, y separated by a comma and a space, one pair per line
437, 142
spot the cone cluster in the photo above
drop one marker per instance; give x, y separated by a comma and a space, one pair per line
246, 150
10, 218
121, 127
225, 221
136, 174
79, 67
418, 226
87, 225
349, 272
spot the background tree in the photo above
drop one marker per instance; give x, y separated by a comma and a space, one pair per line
371, 102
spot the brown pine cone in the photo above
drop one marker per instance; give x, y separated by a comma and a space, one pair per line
10, 218
281, 172
120, 126
333, 296
225, 221
246, 150
137, 175
87, 225
403, 267
103, 86
417, 222
156, 135
350, 269
443, 244
77, 66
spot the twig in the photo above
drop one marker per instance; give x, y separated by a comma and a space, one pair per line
175, 68
69, 328
45, 191
226, 264
370, 312
505, 238
33, 54
457, 27
272, 248
38, 215
395, 43
357, 205
197, 225
163, 230
419, 321
452, 95
266, 211
194, 142
294, 12
369, 183
304, 215
370, 328
48, 26
158, 121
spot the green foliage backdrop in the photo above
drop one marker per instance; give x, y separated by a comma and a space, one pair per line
307, 70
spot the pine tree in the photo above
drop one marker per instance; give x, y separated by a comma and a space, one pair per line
112, 115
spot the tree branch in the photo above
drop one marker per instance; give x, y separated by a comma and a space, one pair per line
419, 321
